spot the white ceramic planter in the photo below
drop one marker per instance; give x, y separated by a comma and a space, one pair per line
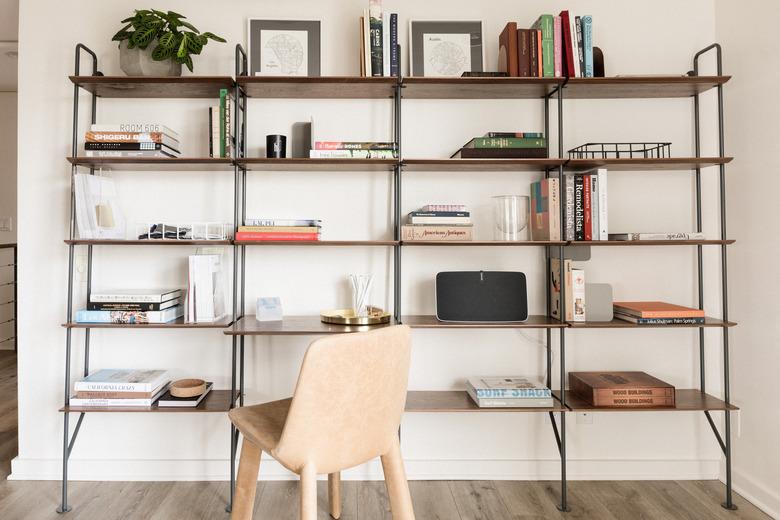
139, 62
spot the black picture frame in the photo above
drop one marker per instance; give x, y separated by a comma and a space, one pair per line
419, 28
313, 49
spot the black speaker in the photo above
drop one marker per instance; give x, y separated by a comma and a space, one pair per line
481, 296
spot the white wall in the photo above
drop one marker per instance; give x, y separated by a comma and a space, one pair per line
752, 112
639, 37
8, 162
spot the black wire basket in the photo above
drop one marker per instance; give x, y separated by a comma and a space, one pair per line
621, 151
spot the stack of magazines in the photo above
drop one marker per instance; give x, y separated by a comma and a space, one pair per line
137, 140
508, 392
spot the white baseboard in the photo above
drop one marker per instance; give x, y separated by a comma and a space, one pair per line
767, 500
416, 469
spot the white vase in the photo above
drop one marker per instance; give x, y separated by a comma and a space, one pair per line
139, 62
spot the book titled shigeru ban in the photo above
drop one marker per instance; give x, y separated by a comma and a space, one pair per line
509, 392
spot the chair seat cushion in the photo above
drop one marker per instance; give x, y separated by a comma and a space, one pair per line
262, 424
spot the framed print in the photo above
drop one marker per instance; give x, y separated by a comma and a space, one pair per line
284, 47
445, 48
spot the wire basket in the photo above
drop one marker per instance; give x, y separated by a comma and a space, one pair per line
621, 151
189, 231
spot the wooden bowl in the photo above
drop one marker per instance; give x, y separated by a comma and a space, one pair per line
187, 387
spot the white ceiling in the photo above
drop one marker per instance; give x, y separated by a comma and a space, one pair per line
9, 34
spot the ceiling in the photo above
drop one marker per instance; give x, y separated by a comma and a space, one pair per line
9, 34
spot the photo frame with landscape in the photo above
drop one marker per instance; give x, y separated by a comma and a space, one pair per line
445, 48
284, 47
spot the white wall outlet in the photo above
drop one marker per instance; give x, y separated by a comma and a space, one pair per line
584, 418
6, 224
738, 413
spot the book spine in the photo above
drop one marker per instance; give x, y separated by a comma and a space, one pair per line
523, 53
594, 207
96, 386
580, 51
352, 154
635, 402
587, 43
128, 317
507, 393
660, 321
514, 403
134, 127
587, 224
353, 145
612, 393
578, 295
107, 403
249, 235
375, 27
509, 142
146, 145
660, 236
533, 53
128, 153
386, 45
603, 209
128, 137
539, 54
548, 45
211, 132
579, 213
558, 47
444, 207
567, 62
554, 208
98, 394
440, 214
445, 233
279, 229
394, 45
569, 180
222, 115
573, 33
123, 306
536, 225
444, 221
283, 222
132, 298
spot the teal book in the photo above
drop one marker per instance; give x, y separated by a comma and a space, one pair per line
587, 45
546, 23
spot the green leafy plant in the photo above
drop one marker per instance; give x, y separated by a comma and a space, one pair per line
176, 39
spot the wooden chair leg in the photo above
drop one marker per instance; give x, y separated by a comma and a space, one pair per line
308, 492
334, 494
246, 483
397, 486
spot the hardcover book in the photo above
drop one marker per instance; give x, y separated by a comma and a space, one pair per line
130, 146
411, 233
352, 154
567, 53
545, 24
506, 142
500, 153
134, 127
132, 306
286, 237
508, 392
166, 400
110, 403
130, 317
659, 321
353, 145
283, 222
122, 380
656, 309
507, 50
524, 53
658, 236
621, 389
135, 295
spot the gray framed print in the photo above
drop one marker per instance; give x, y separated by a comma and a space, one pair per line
445, 48
284, 47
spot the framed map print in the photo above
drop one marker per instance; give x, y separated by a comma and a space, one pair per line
284, 47
445, 48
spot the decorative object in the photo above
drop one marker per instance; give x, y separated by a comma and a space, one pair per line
599, 299
361, 292
511, 217
269, 308
598, 63
621, 151
374, 316
187, 387
445, 48
189, 231
276, 146
284, 47
157, 43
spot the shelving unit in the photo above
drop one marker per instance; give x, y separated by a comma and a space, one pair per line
545, 90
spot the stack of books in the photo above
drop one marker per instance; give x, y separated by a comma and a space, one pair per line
545, 219
657, 313
670, 236
120, 388
574, 283
443, 222
621, 389
132, 306
131, 140
554, 46
353, 150
378, 41
504, 145
587, 215
286, 230
221, 138
508, 392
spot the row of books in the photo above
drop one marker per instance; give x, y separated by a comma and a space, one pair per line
353, 150
504, 145
286, 230
379, 52
130, 388
131, 140
574, 285
438, 222
221, 138
555, 46
133, 306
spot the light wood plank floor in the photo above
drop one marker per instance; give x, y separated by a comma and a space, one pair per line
433, 500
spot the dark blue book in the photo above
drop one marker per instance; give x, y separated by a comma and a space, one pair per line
440, 214
394, 45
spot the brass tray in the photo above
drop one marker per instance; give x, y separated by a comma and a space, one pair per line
376, 316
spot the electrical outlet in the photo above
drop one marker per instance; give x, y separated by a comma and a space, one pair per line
584, 418
80, 267
738, 413
6, 224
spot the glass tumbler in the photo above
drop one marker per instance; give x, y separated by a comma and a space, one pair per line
511, 217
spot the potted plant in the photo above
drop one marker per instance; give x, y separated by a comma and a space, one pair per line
156, 43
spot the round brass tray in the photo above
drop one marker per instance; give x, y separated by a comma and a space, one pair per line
376, 316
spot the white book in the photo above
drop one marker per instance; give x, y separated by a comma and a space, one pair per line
122, 380
578, 295
386, 45
508, 387
603, 200
444, 221
502, 402
134, 295
134, 127
367, 42
105, 403
575, 50
352, 154
658, 236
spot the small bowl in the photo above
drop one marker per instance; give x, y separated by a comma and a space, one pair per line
187, 387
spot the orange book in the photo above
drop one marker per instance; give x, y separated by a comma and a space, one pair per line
539, 60
657, 310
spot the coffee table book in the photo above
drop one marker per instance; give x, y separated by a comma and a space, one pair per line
508, 392
621, 389
167, 400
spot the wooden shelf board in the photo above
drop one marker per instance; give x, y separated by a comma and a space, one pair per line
167, 242
642, 164
292, 325
215, 401
640, 86
427, 321
481, 165
154, 86
155, 163
337, 243
480, 243
324, 165
459, 401
478, 88
321, 87
687, 400
621, 324
639, 243
179, 323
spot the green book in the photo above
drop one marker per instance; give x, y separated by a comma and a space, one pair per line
545, 24
509, 142
223, 94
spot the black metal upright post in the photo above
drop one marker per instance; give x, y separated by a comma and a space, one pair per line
397, 169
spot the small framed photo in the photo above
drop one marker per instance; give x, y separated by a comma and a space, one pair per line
445, 48
284, 47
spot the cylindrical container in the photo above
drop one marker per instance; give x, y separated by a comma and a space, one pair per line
276, 146
511, 217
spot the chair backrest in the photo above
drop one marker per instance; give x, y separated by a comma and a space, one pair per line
348, 400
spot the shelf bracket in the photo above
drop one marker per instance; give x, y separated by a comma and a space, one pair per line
68, 449
555, 431
715, 431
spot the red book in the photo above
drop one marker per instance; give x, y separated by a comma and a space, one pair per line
270, 237
568, 49
507, 50
586, 191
